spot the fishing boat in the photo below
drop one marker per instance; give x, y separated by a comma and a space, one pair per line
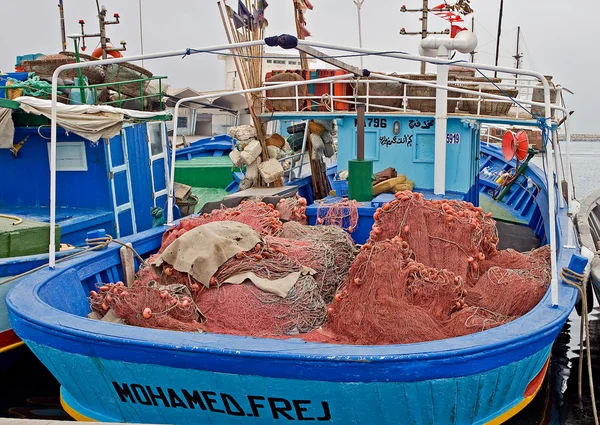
119, 373
114, 179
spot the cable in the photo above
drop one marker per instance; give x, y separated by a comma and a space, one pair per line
95, 244
349, 55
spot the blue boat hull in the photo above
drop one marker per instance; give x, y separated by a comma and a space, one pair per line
134, 392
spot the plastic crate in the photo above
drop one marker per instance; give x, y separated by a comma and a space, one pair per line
341, 187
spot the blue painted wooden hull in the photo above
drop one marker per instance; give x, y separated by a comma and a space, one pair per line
119, 373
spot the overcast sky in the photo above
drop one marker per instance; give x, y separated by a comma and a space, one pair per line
558, 37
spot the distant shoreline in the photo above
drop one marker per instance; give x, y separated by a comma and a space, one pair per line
583, 138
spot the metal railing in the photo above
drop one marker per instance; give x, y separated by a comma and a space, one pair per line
115, 86
483, 93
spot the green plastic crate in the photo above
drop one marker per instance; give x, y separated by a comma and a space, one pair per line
208, 171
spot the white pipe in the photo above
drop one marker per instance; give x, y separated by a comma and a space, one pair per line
441, 123
57, 71
206, 96
437, 45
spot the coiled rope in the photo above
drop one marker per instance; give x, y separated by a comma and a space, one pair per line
577, 280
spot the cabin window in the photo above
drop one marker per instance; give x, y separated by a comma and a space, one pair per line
157, 143
279, 62
269, 61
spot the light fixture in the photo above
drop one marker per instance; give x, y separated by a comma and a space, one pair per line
396, 128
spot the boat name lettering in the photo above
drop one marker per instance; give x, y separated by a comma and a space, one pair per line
426, 124
373, 122
251, 405
407, 140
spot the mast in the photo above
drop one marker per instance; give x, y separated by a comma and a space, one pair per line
359, 4
473, 31
424, 29
517, 55
63, 36
499, 34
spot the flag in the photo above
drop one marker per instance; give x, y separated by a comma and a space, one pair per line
237, 20
262, 5
304, 32
308, 4
243, 11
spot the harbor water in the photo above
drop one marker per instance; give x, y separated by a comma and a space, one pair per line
28, 390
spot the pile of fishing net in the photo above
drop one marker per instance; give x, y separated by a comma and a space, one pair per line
430, 271
242, 271
151, 306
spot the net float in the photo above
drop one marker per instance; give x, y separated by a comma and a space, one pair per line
104, 288
104, 307
147, 313
93, 294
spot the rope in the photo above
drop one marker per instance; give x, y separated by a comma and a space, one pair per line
577, 280
17, 220
96, 244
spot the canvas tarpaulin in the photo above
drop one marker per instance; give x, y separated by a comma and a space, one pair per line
7, 128
92, 122
202, 250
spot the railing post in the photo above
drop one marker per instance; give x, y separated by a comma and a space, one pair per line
404, 99
441, 123
141, 96
160, 93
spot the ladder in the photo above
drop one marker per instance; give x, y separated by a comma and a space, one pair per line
118, 172
156, 137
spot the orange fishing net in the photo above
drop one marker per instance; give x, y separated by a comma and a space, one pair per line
430, 270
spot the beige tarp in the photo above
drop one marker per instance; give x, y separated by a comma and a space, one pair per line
201, 251
93, 122
7, 128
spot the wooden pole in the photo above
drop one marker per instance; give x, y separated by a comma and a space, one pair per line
360, 131
63, 36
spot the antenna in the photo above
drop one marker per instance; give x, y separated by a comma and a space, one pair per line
104, 40
515, 144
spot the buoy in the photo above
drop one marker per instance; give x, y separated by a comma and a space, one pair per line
114, 53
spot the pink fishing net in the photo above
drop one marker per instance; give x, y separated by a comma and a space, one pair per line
430, 270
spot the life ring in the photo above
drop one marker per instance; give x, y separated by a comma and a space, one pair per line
98, 53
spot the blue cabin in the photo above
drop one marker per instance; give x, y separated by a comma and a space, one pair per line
407, 143
107, 185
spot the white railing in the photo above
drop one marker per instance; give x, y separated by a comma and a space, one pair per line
469, 91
